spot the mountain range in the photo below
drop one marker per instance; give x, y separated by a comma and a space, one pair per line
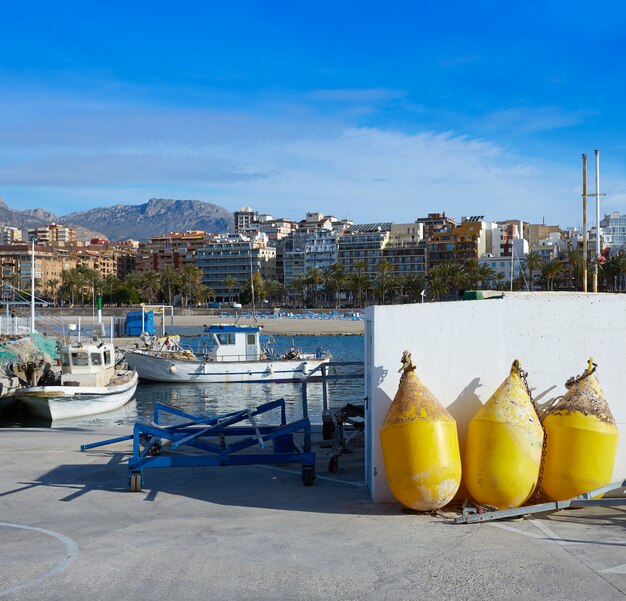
121, 222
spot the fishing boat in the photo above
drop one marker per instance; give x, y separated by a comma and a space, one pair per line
89, 383
233, 354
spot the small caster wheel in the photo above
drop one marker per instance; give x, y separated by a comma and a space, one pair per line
135, 482
155, 449
333, 465
308, 475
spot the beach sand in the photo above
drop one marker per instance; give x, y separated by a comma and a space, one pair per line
281, 326
276, 327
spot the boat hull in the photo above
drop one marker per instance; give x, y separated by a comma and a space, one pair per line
158, 368
62, 402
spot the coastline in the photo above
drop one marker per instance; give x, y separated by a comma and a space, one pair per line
280, 326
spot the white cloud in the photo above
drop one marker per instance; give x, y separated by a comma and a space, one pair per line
527, 120
67, 154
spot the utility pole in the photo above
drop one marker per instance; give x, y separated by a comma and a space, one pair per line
597, 195
584, 223
596, 266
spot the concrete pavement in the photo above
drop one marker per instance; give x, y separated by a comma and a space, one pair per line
70, 529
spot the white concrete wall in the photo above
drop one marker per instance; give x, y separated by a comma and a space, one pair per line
463, 351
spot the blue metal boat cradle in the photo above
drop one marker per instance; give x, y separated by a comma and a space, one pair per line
152, 442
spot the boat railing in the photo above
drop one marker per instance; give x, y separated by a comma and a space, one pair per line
223, 358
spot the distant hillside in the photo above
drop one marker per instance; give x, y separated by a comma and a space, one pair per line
157, 216
39, 217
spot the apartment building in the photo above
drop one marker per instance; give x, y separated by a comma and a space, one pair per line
10, 235
50, 262
173, 250
52, 233
234, 257
613, 231
360, 247
307, 248
470, 239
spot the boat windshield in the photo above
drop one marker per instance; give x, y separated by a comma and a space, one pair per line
80, 358
223, 338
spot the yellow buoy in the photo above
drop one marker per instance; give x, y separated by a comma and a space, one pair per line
420, 445
504, 444
582, 440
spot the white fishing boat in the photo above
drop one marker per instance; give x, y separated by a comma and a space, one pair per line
89, 383
234, 354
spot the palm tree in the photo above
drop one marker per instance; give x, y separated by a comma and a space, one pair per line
551, 273
533, 263
76, 281
191, 278
486, 275
171, 279
131, 291
230, 282
455, 274
314, 279
335, 281
150, 286
258, 284
382, 279
109, 283
472, 273
203, 293
274, 290
52, 284
575, 267
358, 285
437, 279
298, 286
414, 284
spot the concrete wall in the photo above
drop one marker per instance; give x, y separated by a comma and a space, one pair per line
463, 351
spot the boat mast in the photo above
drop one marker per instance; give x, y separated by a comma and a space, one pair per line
252, 282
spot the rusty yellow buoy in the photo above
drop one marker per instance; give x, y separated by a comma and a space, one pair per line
504, 445
582, 440
420, 445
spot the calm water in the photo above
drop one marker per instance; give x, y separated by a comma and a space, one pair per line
216, 399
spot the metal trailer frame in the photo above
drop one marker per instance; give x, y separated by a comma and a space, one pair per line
152, 441
349, 415
471, 515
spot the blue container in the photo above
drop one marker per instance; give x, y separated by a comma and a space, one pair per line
134, 327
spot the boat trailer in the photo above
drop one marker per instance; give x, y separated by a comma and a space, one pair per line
200, 441
472, 515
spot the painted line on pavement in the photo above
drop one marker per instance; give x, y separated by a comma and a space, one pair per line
72, 552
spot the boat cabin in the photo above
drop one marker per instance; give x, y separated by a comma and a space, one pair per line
233, 343
91, 364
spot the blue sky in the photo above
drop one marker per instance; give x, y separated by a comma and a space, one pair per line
377, 111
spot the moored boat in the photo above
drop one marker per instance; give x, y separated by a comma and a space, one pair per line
234, 354
89, 383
